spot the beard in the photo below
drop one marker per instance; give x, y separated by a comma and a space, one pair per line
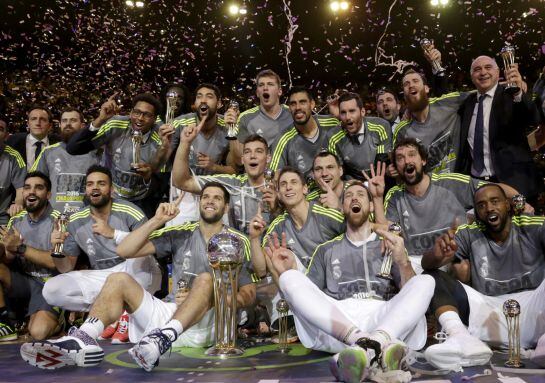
215, 218
418, 105
40, 203
303, 122
67, 135
103, 201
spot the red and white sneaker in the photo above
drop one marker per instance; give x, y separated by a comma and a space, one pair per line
121, 335
108, 332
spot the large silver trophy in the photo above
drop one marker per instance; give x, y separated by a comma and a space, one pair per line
61, 226
282, 307
136, 146
519, 203
387, 261
508, 55
225, 253
427, 46
172, 99
268, 174
511, 310
232, 127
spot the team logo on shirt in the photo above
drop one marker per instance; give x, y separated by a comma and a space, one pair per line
406, 220
259, 131
337, 272
301, 162
90, 248
117, 155
58, 165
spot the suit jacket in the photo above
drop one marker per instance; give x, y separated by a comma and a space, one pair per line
509, 124
18, 142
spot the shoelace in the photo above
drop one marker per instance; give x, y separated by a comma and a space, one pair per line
162, 340
81, 335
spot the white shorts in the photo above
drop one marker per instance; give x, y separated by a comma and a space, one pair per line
366, 315
487, 322
154, 313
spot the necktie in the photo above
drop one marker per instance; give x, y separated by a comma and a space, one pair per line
478, 138
38, 149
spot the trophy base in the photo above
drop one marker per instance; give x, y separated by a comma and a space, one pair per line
284, 349
511, 90
57, 255
230, 138
224, 352
385, 276
514, 364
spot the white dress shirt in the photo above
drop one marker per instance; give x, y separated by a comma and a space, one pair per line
31, 148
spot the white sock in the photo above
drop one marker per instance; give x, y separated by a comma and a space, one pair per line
380, 336
452, 324
92, 327
353, 335
176, 329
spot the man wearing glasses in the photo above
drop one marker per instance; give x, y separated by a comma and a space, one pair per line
132, 175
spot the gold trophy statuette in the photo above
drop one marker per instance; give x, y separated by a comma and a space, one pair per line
62, 224
172, 98
427, 46
511, 310
282, 307
232, 127
508, 55
136, 145
518, 202
269, 178
386, 267
225, 252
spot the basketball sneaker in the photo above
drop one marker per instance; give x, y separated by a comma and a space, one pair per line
121, 334
108, 332
148, 351
458, 350
7, 332
75, 349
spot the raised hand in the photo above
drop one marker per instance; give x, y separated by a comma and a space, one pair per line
257, 224
432, 55
14, 209
394, 244
513, 76
280, 259
57, 236
204, 161
329, 198
101, 227
166, 132
269, 196
231, 116
144, 169
445, 245
376, 182
167, 211
189, 132
107, 110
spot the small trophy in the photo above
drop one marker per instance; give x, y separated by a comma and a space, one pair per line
427, 46
232, 127
136, 145
183, 286
62, 224
511, 310
508, 55
268, 174
386, 267
518, 202
225, 252
282, 307
172, 98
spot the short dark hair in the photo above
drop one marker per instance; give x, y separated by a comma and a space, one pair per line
268, 73
254, 138
490, 184
411, 141
355, 182
216, 184
385, 90
41, 107
99, 169
41, 175
150, 99
70, 110
327, 153
289, 169
208, 85
300, 89
411, 71
351, 96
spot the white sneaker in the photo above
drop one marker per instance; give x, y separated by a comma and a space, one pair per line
147, 352
458, 350
75, 349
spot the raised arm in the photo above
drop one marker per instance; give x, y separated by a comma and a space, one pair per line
181, 173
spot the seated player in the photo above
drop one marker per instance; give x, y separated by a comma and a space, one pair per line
342, 307
155, 324
498, 257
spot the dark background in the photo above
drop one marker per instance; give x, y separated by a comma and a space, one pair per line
76, 52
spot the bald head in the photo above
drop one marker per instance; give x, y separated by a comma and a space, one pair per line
484, 73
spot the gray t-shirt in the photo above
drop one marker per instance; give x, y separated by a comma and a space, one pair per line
124, 216
115, 137
517, 264
244, 199
338, 269
255, 121
439, 133
423, 219
322, 225
292, 149
36, 234
67, 175
357, 156
216, 146
185, 243
12, 176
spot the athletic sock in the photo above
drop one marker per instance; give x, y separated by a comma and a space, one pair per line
175, 327
380, 336
92, 327
353, 335
452, 324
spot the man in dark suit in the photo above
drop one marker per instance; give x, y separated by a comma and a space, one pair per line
495, 124
29, 145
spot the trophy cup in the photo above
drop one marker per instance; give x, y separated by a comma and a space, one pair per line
511, 310
508, 55
386, 267
232, 127
61, 224
427, 46
136, 145
225, 256
268, 174
172, 98
519, 202
282, 307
